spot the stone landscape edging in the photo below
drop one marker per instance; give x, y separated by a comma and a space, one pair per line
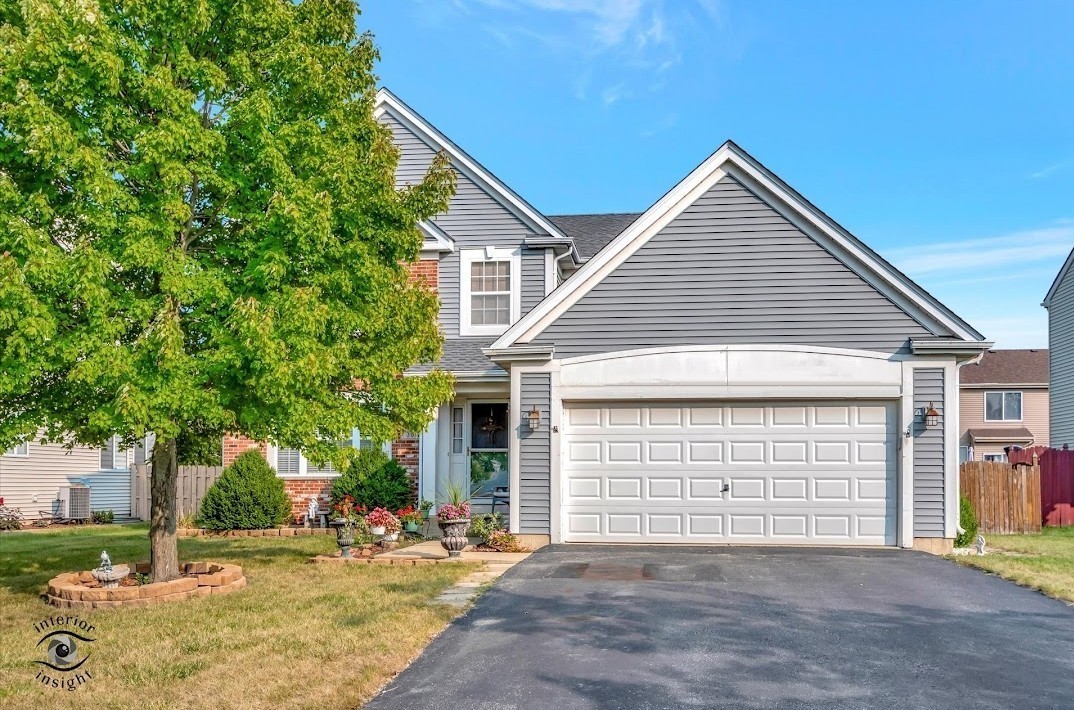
267, 532
68, 590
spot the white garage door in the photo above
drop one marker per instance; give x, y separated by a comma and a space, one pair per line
814, 473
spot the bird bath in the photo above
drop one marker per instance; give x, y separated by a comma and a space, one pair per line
107, 575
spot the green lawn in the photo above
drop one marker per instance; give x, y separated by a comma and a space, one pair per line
1044, 562
335, 632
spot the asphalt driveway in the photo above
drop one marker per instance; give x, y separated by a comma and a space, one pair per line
660, 627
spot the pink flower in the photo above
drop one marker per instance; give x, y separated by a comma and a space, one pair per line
449, 511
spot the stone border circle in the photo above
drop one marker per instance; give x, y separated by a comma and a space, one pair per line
202, 579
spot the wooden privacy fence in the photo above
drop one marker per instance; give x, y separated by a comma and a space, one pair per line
193, 482
1006, 498
1057, 486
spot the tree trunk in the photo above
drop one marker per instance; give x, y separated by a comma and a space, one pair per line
164, 482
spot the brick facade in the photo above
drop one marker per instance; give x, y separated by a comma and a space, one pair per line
427, 270
406, 450
235, 444
299, 491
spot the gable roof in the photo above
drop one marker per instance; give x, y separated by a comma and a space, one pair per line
387, 101
1008, 367
1063, 271
592, 232
732, 160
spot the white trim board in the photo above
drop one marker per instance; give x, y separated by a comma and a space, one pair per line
732, 160
386, 100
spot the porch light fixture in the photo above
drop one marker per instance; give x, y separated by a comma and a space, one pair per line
931, 417
534, 415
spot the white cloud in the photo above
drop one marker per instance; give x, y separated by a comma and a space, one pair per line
1010, 251
995, 283
1049, 170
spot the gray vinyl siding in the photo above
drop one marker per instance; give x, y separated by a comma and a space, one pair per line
50, 466
474, 219
535, 494
728, 270
928, 455
1061, 363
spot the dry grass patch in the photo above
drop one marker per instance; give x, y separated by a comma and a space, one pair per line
336, 632
1044, 562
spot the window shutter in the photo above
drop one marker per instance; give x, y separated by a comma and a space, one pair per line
108, 455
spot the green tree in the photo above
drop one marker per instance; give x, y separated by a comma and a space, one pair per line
200, 232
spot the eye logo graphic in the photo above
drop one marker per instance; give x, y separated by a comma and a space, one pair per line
62, 650
64, 642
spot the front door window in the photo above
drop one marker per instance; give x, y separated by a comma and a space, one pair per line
488, 448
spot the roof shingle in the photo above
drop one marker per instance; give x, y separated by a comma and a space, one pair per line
1008, 367
592, 232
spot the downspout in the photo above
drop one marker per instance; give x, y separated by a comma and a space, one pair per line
959, 530
555, 263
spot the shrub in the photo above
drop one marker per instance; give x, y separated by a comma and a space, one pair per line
968, 520
10, 518
103, 517
374, 481
503, 541
483, 526
247, 496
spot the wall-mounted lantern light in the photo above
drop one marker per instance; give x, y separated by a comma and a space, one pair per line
534, 415
931, 417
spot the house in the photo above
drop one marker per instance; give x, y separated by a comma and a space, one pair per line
1060, 305
32, 473
1003, 401
730, 365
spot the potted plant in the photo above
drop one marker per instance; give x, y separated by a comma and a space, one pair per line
344, 521
379, 520
410, 517
453, 519
425, 506
392, 528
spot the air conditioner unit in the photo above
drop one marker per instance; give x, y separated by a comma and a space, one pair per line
75, 502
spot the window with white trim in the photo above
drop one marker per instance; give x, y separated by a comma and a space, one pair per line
290, 463
113, 458
996, 458
489, 290
1003, 406
457, 441
21, 450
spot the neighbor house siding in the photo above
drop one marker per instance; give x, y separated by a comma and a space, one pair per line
928, 455
474, 219
50, 466
730, 269
1061, 362
534, 495
971, 416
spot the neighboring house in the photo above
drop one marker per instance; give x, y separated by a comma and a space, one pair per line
1060, 305
1003, 401
730, 365
32, 474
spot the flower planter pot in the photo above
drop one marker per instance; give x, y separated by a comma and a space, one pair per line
344, 536
376, 530
410, 527
391, 537
454, 539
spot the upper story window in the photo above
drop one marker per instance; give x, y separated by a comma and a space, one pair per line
1003, 406
490, 292
22, 450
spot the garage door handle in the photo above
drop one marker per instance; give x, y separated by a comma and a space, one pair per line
726, 488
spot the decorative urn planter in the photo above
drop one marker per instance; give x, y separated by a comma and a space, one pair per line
344, 536
454, 539
376, 530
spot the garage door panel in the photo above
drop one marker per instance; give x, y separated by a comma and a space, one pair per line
816, 473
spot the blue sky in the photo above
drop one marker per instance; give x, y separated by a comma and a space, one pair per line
941, 134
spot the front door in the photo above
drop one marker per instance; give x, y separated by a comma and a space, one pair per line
488, 450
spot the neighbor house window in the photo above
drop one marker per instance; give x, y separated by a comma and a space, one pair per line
1003, 406
490, 290
997, 458
22, 449
113, 457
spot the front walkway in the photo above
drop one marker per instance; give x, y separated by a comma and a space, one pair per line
662, 627
469, 587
